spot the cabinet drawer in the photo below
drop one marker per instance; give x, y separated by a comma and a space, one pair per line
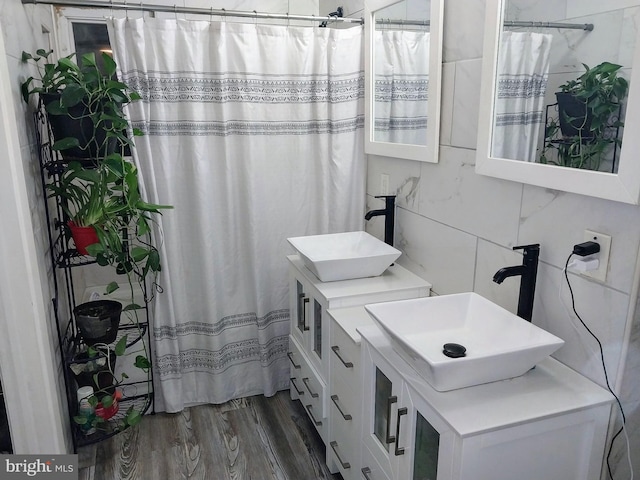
371, 469
344, 444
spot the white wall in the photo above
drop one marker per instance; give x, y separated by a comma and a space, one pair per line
31, 366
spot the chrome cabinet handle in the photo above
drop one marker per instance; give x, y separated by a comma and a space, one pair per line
335, 399
311, 392
297, 367
336, 350
399, 451
365, 472
305, 300
390, 401
334, 447
313, 418
293, 382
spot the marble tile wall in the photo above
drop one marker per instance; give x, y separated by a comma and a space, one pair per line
456, 229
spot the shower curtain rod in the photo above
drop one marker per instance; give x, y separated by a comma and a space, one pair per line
140, 7
575, 26
417, 23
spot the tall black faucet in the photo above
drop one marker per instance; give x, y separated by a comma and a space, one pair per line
389, 213
528, 271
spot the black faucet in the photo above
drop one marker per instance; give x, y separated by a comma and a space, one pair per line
528, 271
389, 213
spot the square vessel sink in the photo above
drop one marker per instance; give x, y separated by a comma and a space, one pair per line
343, 256
499, 344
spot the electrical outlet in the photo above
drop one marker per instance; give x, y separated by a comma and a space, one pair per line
384, 184
604, 241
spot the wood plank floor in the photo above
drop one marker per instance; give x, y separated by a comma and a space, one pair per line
255, 438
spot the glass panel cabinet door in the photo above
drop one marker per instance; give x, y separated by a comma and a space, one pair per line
302, 301
426, 441
382, 407
317, 328
382, 387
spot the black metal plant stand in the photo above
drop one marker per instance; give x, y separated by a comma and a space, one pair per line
64, 261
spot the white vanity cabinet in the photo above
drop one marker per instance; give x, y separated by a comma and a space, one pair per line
309, 340
345, 390
549, 424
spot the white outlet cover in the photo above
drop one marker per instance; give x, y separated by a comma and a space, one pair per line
600, 274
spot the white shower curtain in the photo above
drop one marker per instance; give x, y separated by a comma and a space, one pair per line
254, 134
523, 69
401, 86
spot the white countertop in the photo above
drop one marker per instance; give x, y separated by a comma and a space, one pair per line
349, 319
394, 278
548, 390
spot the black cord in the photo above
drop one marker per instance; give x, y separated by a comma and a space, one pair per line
604, 366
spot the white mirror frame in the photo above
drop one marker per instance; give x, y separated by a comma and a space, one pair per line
622, 187
424, 153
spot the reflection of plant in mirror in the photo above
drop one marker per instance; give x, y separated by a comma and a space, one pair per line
579, 139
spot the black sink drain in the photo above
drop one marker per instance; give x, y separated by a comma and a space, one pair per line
454, 350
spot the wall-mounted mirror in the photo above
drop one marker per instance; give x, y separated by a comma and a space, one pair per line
403, 69
560, 87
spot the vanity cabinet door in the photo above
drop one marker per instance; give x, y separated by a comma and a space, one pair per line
308, 320
299, 300
424, 449
382, 388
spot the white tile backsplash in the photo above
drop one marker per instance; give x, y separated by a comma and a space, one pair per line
466, 103
434, 250
452, 193
463, 29
557, 221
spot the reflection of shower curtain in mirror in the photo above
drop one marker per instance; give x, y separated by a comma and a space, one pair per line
523, 68
401, 86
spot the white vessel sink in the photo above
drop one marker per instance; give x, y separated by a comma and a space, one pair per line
343, 256
499, 344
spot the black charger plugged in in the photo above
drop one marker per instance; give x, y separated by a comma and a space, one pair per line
586, 248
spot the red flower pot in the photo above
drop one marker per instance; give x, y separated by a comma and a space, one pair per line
107, 413
83, 237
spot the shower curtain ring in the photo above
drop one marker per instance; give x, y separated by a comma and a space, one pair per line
224, 15
255, 18
126, 10
175, 11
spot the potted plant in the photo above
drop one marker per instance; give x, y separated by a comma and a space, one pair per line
98, 321
95, 367
84, 105
587, 107
102, 194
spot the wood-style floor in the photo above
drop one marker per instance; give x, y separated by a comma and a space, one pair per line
255, 438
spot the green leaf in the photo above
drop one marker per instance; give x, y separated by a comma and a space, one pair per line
56, 108
26, 56
142, 362
107, 401
131, 306
72, 95
95, 250
109, 65
93, 401
139, 253
112, 287
80, 420
121, 346
133, 417
154, 260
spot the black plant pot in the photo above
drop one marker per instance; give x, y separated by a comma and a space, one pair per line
78, 124
575, 116
95, 371
98, 321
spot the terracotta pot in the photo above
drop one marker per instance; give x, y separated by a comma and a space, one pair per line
83, 237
